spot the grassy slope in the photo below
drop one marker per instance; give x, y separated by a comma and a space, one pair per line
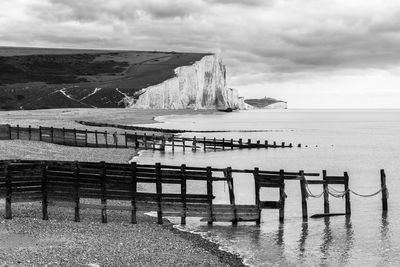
30, 78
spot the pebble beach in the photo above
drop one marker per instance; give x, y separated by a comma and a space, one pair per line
27, 240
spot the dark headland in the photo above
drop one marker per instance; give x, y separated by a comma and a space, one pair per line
40, 78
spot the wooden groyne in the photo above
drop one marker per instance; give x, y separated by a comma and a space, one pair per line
67, 183
151, 141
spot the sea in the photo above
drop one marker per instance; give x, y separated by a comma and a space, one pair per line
360, 142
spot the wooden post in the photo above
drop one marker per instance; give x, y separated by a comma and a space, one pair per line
249, 143
76, 191
204, 143
215, 144
303, 195
45, 215
103, 192
29, 132
173, 143
162, 146
7, 175
154, 142
40, 133
283, 144
51, 135
266, 143
126, 141
63, 133
258, 143
106, 138
210, 195
159, 193
257, 194
223, 143
183, 193
183, 143
326, 193
86, 138
274, 144
240, 143
135, 139
228, 175
134, 190
347, 194
145, 141
75, 140
282, 196
231, 143
115, 137
194, 143
96, 138
9, 132
384, 191
17, 131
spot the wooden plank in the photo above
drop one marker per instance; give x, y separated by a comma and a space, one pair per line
347, 194
76, 193
282, 196
270, 204
183, 192
210, 194
303, 192
159, 193
8, 193
134, 192
384, 191
321, 215
257, 194
228, 175
326, 193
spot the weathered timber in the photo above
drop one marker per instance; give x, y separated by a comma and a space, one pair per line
103, 191
45, 215
159, 192
326, 193
183, 193
384, 191
303, 196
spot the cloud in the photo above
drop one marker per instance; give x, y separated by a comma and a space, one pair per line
271, 40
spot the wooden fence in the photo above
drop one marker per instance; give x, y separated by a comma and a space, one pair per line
104, 139
65, 183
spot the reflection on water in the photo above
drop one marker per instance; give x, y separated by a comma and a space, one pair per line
360, 142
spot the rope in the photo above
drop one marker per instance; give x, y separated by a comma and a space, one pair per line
310, 194
340, 194
370, 195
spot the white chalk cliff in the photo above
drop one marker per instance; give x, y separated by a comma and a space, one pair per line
198, 86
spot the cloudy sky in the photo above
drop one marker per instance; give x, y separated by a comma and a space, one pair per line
312, 53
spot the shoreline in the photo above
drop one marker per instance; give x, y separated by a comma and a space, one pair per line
66, 118
28, 240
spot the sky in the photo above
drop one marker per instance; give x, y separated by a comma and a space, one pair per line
310, 53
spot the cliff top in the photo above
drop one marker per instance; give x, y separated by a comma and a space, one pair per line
33, 78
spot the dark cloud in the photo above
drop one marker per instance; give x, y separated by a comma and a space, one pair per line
276, 37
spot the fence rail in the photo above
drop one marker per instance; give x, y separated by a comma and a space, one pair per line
104, 139
66, 183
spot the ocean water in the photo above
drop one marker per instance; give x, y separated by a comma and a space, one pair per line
360, 142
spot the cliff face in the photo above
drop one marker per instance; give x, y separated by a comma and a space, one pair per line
201, 85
